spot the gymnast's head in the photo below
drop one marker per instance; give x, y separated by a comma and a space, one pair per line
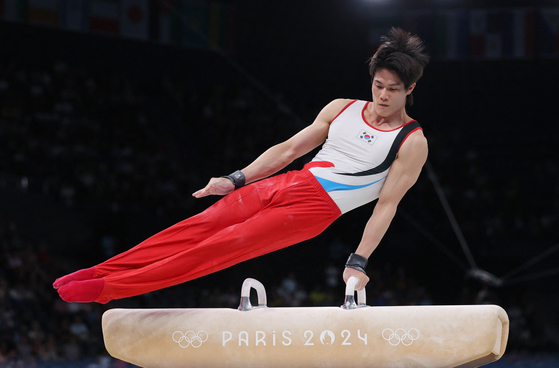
402, 53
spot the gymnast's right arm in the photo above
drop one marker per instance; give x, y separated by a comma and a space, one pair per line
282, 154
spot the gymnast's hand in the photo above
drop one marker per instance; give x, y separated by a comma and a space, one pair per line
216, 186
363, 278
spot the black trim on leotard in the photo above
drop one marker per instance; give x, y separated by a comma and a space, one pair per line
407, 129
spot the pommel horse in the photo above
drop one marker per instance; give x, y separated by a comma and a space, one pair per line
353, 335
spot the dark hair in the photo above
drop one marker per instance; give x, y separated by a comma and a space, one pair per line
402, 53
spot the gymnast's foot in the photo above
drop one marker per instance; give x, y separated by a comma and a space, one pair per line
82, 291
80, 275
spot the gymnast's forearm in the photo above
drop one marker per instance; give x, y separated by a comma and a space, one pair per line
271, 161
268, 163
376, 228
282, 154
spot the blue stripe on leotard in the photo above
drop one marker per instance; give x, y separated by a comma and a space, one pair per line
329, 185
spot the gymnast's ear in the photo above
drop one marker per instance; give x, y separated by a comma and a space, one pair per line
410, 89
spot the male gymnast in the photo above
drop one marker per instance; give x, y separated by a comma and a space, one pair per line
371, 150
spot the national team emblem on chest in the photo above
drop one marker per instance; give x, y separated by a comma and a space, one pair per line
367, 137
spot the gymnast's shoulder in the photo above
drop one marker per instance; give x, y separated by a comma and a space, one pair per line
334, 108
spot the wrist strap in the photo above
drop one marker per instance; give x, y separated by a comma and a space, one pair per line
237, 178
357, 262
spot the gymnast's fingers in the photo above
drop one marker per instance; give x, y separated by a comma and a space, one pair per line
363, 281
206, 191
363, 278
216, 186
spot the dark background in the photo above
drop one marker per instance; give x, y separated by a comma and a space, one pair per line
161, 120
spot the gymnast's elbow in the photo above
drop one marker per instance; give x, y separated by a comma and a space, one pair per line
287, 155
386, 207
281, 162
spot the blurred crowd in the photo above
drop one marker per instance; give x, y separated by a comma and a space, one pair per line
77, 134
110, 141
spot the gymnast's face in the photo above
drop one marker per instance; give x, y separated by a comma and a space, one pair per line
389, 92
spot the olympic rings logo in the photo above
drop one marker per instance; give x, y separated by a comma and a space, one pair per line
400, 336
190, 338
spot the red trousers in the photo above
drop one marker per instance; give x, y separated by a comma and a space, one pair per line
254, 220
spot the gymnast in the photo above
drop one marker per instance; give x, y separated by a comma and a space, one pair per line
371, 150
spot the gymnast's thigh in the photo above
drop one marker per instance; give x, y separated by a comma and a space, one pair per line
270, 230
235, 208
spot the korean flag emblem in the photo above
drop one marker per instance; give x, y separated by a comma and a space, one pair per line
367, 137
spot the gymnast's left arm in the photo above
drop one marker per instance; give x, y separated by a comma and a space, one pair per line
403, 174
282, 154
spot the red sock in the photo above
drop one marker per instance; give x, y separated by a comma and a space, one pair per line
82, 291
80, 275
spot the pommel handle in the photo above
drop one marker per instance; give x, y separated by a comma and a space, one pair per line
248, 284
349, 302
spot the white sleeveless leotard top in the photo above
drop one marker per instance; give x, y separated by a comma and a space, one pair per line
356, 157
